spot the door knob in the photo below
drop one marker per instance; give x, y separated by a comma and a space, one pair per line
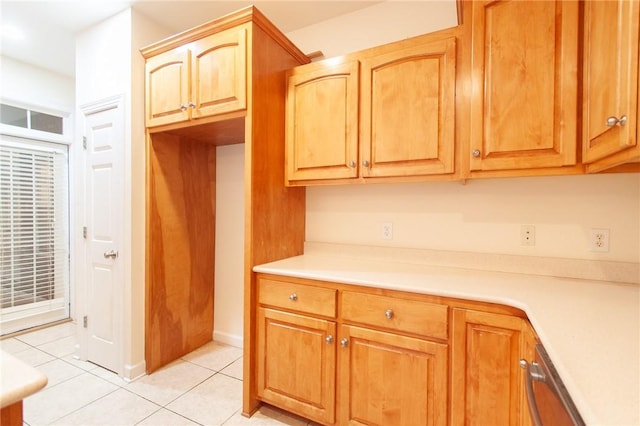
110, 254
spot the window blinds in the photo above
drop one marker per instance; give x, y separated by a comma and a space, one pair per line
34, 229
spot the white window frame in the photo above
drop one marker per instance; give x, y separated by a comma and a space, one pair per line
40, 313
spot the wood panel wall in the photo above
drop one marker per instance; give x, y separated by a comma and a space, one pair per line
275, 220
180, 261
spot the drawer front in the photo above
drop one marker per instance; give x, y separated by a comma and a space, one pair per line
410, 316
298, 297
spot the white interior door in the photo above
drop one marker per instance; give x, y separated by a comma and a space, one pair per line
104, 194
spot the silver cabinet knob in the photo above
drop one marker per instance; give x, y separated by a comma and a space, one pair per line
388, 313
365, 163
476, 153
352, 164
329, 339
183, 107
612, 121
293, 297
191, 104
344, 342
110, 254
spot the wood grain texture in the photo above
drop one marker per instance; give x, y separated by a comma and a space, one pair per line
296, 297
610, 80
387, 375
274, 214
407, 315
180, 250
296, 367
407, 115
523, 84
322, 123
12, 415
485, 374
387, 379
181, 183
167, 87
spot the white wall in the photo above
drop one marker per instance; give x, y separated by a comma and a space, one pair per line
144, 32
229, 272
108, 63
485, 216
481, 216
379, 24
35, 86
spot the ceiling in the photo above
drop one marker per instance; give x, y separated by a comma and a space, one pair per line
42, 32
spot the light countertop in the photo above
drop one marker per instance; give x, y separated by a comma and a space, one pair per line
17, 380
590, 329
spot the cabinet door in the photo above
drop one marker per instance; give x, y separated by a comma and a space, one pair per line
296, 363
167, 87
523, 84
610, 77
388, 379
408, 107
322, 123
487, 381
219, 73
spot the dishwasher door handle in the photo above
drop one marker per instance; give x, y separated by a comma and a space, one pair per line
533, 372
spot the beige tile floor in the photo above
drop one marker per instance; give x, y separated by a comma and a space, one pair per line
202, 388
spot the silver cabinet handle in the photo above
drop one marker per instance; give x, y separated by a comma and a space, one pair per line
329, 339
388, 313
293, 297
365, 163
110, 254
183, 107
352, 164
191, 104
612, 121
476, 153
344, 342
532, 372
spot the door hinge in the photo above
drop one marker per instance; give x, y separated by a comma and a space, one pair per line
84, 142
84, 232
85, 321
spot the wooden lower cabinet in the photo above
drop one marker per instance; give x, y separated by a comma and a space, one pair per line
296, 363
486, 378
381, 357
389, 379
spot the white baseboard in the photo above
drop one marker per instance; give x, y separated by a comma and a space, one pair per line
229, 339
132, 372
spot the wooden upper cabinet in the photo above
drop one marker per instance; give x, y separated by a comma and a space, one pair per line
384, 112
200, 79
408, 107
322, 123
219, 73
524, 60
610, 79
167, 87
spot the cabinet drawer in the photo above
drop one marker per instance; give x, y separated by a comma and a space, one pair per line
411, 316
298, 297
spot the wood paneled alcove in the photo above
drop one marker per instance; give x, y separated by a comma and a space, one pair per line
218, 84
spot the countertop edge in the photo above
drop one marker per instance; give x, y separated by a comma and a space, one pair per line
19, 380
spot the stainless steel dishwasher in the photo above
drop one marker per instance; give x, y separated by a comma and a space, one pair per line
548, 399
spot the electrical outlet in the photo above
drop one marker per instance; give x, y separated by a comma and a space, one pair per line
528, 235
387, 231
599, 240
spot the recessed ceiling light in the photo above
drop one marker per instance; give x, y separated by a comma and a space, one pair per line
12, 32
